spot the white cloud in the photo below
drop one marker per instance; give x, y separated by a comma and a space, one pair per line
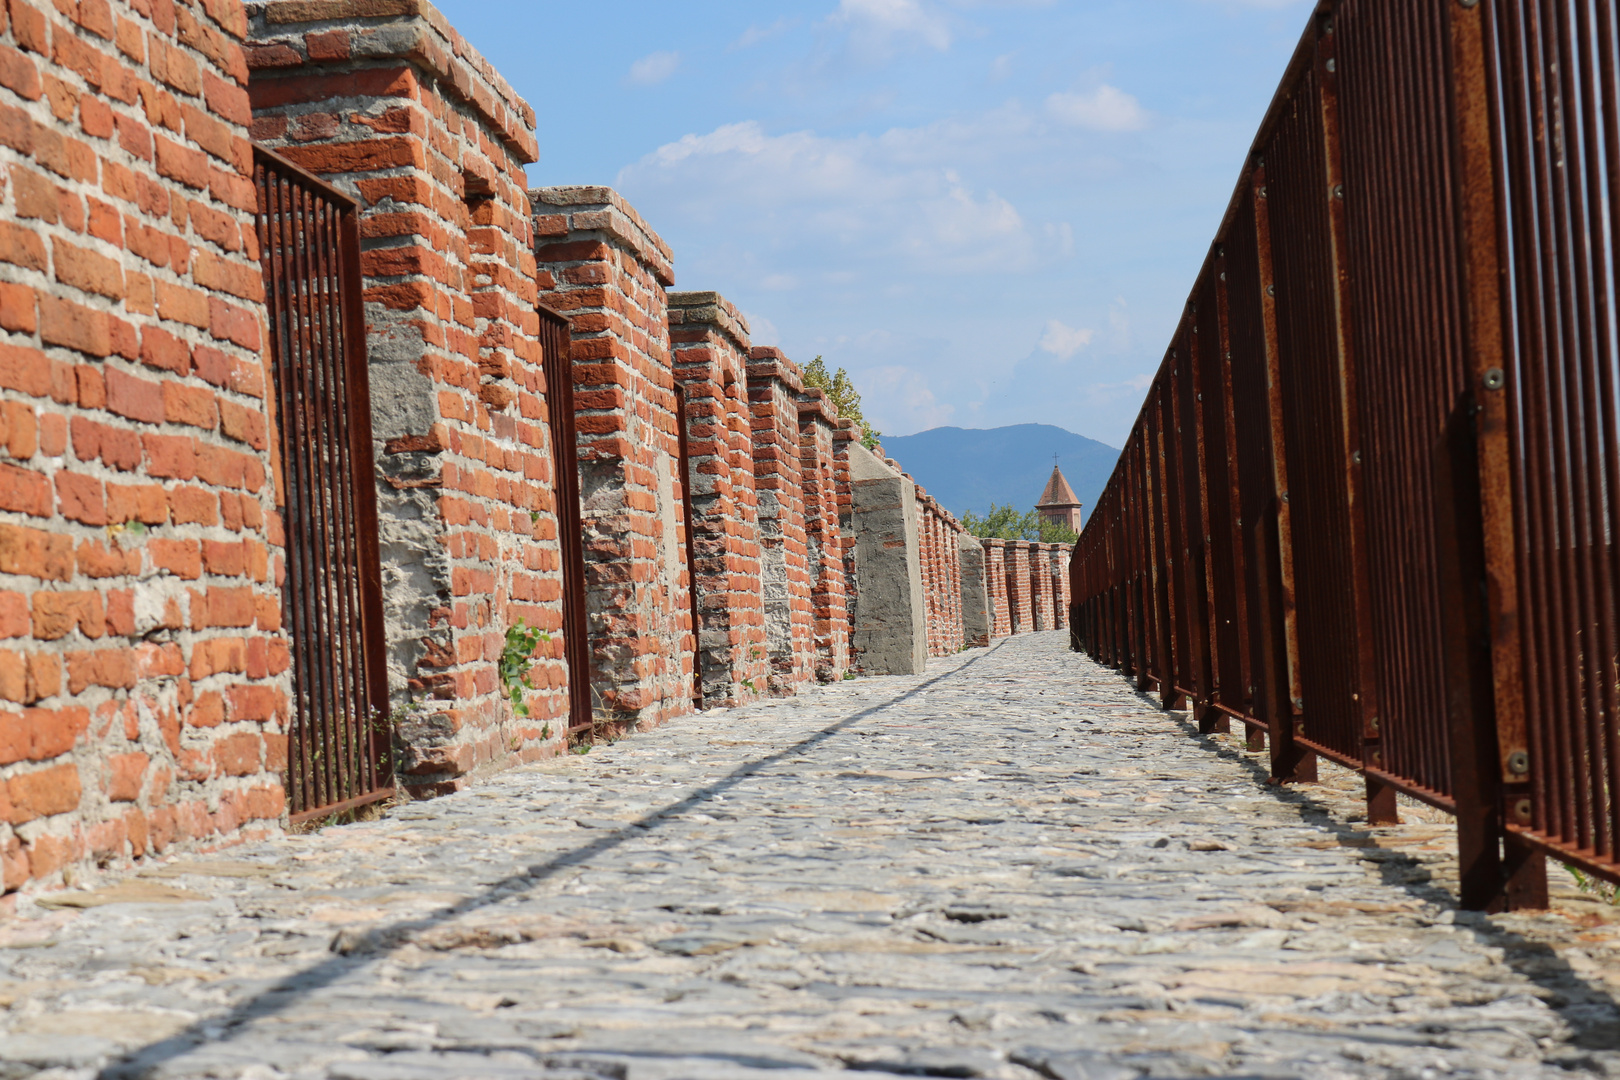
761, 331
1106, 108
1064, 341
899, 398
1119, 322
654, 68
858, 199
754, 35
877, 26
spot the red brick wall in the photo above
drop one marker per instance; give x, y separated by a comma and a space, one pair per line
942, 575
434, 143
601, 265
144, 674
824, 541
773, 396
710, 343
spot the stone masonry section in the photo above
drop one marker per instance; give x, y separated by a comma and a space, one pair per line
1011, 867
709, 339
144, 678
774, 388
604, 268
389, 104
977, 622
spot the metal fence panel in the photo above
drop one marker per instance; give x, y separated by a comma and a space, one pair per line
557, 363
340, 754
1553, 68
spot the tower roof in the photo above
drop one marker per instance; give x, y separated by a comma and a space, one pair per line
1058, 492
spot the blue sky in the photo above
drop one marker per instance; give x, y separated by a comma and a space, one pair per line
989, 211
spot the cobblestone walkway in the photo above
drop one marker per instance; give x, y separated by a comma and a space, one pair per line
1013, 868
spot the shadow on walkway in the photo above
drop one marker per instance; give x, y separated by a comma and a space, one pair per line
1590, 1010
379, 943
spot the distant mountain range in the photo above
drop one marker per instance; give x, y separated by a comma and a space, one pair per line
968, 468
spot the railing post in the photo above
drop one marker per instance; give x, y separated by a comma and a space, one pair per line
1206, 643
1165, 568
1234, 496
1488, 728
1279, 685
1381, 805
1143, 569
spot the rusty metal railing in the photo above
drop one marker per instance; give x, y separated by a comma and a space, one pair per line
340, 754
1370, 504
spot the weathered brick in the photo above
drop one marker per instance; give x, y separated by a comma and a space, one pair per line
41, 793
74, 326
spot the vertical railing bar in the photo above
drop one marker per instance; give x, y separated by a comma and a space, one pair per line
270, 255
303, 536
346, 647
1234, 481
1288, 760
330, 564
319, 557
1592, 321
1546, 434
1380, 798
362, 453
1566, 419
1610, 95
326, 469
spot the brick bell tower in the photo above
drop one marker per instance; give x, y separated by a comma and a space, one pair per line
1058, 502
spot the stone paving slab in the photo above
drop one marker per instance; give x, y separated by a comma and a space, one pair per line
1013, 867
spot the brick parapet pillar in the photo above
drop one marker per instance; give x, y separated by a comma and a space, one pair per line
1019, 602
995, 572
602, 266
774, 386
144, 687
1061, 553
928, 564
709, 339
824, 541
846, 435
389, 104
1040, 586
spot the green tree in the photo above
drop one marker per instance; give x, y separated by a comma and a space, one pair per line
842, 393
1006, 523
1055, 532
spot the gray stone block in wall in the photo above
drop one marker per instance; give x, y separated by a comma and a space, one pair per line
975, 593
890, 634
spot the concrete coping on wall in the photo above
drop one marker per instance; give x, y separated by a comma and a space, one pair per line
294, 33
560, 212
690, 309
768, 362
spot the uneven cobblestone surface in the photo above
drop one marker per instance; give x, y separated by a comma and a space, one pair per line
1014, 867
